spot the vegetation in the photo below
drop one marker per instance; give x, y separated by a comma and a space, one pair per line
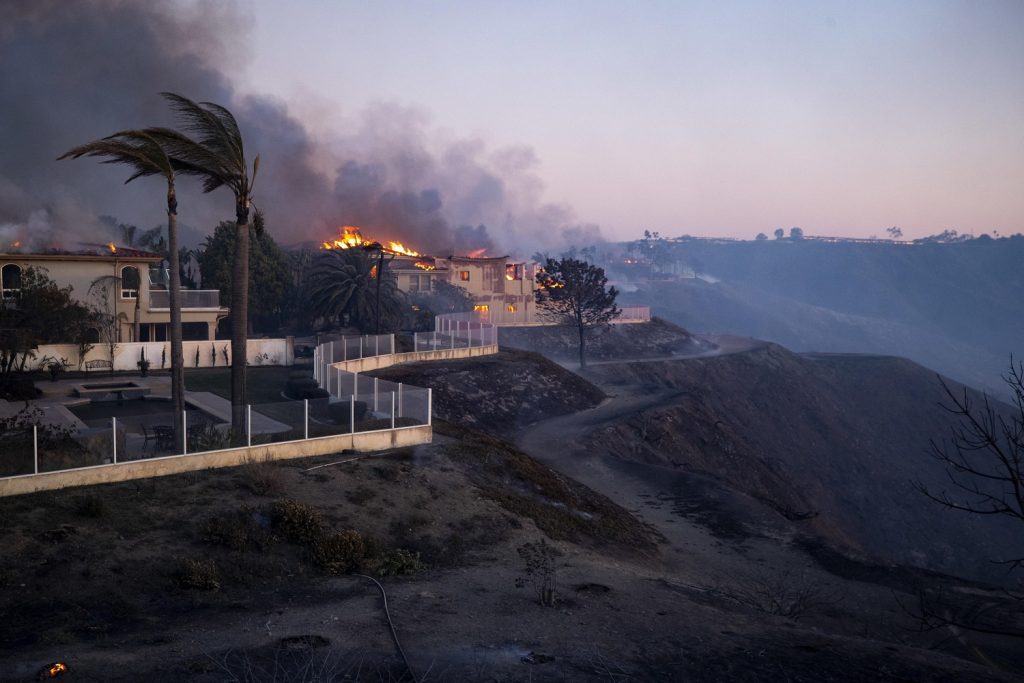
342, 287
145, 153
268, 266
576, 293
443, 298
42, 313
217, 155
540, 571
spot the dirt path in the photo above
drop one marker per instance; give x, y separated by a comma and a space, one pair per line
705, 525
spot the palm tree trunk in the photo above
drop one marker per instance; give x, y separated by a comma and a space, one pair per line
239, 319
135, 323
174, 295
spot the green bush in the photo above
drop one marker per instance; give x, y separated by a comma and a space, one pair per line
198, 574
399, 562
339, 553
298, 522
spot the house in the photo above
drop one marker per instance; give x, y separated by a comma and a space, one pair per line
502, 290
128, 283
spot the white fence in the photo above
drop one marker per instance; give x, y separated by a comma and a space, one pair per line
457, 331
197, 354
115, 431
634, 314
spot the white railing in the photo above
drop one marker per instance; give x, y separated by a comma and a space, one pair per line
159, 299
634, 314
457, 331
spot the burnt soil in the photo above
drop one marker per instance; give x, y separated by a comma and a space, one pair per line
658, 568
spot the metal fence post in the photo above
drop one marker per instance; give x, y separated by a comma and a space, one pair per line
305, 418
392, 410
248, 424
399, 399
339, 384
433, 347
114, 437
430, 406
184, 428
355, 385
469, 333
344, 349
375, 408
35, 448
332, 351
352, 415
376, 344
391, 343
360, 347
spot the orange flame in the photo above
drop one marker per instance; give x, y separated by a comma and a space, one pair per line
477, 253
57, 669
351, 238
423, 265
112, 247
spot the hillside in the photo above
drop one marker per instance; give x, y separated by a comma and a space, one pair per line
952, 307
836, 439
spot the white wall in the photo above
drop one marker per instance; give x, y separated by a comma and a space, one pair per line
128, 354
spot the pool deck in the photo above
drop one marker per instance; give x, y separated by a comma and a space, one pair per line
57, 398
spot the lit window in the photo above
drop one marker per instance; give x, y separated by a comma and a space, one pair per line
482, 308
464, 275
511, 308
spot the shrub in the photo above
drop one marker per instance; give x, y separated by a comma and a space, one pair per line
298, 522
539, 570
198, 574
262, 477
339, 553
399, 562
236, 530
90, 506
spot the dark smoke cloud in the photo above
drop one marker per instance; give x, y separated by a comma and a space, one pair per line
76, 71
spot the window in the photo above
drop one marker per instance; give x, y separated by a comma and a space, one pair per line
129, 282
414, 283
511, 308
484, 310
513, 271
464, 275
10, 282
92, 335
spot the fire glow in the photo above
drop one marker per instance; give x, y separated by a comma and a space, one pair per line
56, 669
351, 238
112, 247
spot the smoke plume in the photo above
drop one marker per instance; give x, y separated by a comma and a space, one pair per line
75, 72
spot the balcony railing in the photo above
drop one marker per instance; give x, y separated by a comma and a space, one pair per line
159, 299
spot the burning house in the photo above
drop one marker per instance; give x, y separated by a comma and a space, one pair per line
135, 287
502, 289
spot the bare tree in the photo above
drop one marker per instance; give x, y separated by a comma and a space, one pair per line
983, 456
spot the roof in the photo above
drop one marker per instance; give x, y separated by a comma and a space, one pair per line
95, 253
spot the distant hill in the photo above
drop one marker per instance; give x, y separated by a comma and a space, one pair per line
957, 308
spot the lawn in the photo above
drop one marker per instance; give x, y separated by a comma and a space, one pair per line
265, 384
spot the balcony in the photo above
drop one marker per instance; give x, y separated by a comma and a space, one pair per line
159, 299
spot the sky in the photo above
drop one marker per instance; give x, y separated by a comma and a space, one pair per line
703, 118
525, 126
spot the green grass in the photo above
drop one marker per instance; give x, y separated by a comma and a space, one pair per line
265, 384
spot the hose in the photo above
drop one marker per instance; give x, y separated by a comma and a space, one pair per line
391, 625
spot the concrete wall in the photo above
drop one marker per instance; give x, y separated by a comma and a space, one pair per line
176, 464
383, 361
127, 355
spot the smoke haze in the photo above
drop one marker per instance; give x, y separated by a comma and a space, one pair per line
75, 72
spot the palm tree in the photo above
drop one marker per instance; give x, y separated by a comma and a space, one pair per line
217, 155
343, 285
146, 156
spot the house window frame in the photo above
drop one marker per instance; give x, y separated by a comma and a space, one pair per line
130, 294
10, 292
464, 276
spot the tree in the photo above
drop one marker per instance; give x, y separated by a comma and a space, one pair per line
576, 293
443, 298
146, 153
894, 232
268, 266
983, 456
217, 155
341, 286
796, 233
761, 237
41, 313
779, 233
